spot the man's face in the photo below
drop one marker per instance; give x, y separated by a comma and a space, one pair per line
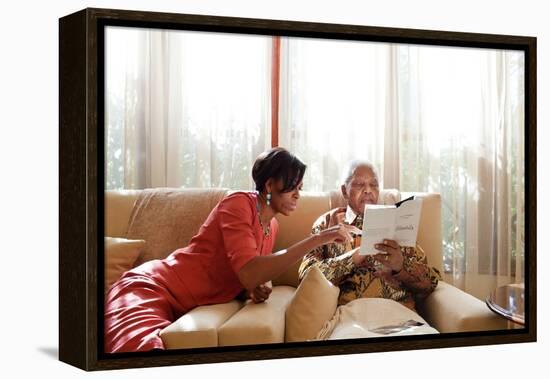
362, 189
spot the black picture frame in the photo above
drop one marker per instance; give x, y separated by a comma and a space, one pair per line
81, 188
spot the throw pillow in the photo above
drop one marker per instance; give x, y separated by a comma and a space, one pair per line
313, 304
120, 256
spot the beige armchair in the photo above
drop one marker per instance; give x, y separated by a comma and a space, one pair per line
447, 309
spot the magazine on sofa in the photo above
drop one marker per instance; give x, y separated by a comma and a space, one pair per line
397, 222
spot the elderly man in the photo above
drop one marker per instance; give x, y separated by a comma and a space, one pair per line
400, 273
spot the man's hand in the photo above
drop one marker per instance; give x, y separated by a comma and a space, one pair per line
392, 259
358, 260
337, 217
260, 293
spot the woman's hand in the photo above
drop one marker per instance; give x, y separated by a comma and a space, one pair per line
340, 233
260, 293
392, 259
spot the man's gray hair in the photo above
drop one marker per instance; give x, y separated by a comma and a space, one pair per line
352, 166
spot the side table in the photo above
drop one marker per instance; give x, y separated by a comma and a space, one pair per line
508, 301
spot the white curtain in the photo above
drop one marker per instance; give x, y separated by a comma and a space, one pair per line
437, 119
336, 104
185, 109
464, 110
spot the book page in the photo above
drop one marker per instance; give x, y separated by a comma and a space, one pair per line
407, 221
378, 224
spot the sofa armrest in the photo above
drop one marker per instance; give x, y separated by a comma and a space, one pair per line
450, 310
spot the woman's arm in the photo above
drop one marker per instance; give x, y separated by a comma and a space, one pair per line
262, 269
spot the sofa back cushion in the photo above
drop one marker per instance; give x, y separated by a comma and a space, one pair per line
168, 218
296, 227
118, 208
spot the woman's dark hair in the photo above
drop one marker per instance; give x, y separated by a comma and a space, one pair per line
279, 164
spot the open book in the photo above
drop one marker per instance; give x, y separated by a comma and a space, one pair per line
397, 222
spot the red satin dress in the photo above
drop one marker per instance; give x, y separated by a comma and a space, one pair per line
150, 297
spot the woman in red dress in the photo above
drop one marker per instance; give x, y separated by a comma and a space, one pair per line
232, 252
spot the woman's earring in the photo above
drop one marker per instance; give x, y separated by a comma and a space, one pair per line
268, 199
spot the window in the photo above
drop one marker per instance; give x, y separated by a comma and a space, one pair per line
185, 109
191, 109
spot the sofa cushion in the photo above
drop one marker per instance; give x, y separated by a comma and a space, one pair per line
168, 218
258, 323
118, 208
312, 305
120, 256
199, 327
361, 317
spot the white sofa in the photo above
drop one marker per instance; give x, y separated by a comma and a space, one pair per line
447, 309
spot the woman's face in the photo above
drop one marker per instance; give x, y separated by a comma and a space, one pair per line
284, 202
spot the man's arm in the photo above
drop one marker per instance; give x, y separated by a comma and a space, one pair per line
416, 275
331, 259
334, 269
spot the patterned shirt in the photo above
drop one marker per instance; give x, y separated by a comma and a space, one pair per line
415, 281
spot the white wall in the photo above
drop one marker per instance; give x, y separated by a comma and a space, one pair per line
29, 145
